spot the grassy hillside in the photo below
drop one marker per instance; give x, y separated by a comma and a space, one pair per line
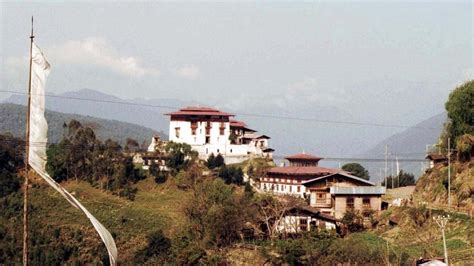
423, 237
432, 186
155, 207
13, 121
58, 229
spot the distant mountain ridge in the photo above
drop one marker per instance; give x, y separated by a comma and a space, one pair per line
326, 139
13, 121
408, 144
109, 107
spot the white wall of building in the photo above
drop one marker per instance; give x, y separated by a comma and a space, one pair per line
217, 144
292, 224
186, 136
282, 186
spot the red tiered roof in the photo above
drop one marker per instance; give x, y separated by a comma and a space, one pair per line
303, 157
302, 170
240, 124
199, 111
236, 123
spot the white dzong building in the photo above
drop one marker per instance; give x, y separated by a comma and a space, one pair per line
210, 131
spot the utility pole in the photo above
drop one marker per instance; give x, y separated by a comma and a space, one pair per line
442, 221
386, 166
449, 173
398, 172
391, 173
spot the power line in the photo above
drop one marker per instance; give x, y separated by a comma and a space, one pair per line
327, 158
294, 118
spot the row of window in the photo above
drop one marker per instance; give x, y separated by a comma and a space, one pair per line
281, 188
350, 203
208, 127
193, 132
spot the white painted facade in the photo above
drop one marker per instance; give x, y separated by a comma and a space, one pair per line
283, 186
301, 223
213, 137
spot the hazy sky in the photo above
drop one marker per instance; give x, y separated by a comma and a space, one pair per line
387, 62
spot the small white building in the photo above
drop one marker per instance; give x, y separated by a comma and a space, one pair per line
210, 131
303, 219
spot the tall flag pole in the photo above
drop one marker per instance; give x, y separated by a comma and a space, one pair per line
37, 131
27, 141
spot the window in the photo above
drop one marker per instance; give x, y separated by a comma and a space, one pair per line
193, 127
230, 150
366, 202
222, 128
298, 188
303, 224
208, 140
176, 131
349, 203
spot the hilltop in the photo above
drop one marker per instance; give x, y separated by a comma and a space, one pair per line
13, 121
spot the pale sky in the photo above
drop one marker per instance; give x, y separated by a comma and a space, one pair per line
392, 62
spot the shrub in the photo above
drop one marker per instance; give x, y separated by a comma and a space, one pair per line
9, 183
159, 175
232, 175
158, 248
353, 221
465, 147
419, 215
215, 161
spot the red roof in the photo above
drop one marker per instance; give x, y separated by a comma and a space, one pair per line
235, 123
303, 157
200, 111
302, 170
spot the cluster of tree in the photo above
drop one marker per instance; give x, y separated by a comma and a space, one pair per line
460, 127
403, 179
357, 170
231, 175
81, 156
11, 160
215, 161
180, 156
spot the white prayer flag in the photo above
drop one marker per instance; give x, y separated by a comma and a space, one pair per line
37, 144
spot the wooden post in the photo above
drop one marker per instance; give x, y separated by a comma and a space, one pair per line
27, 144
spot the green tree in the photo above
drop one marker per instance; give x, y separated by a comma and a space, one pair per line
159, 175
403, 179
357, 170
9, 183
460, 108
11, 160
353, 221
465, 147
11, 153
180, 156
232, 175
219, 160
215, 213
131, 145
210, 163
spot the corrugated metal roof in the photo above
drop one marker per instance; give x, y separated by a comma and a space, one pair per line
360, 190
338, 172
